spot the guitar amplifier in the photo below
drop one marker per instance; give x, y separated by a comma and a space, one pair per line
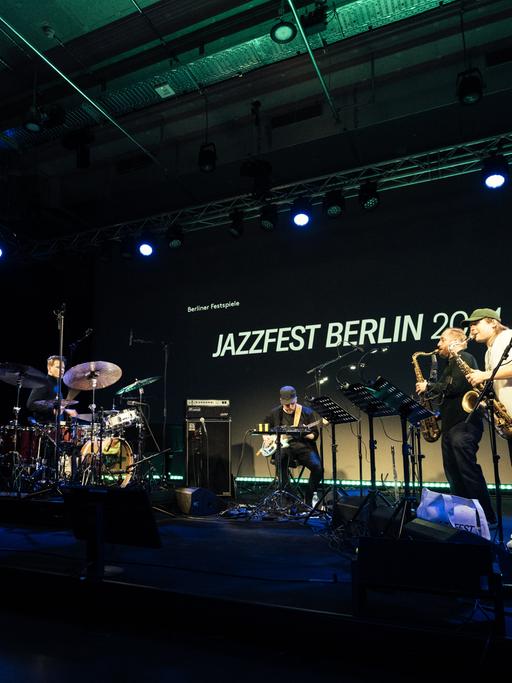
212, 408
208, 449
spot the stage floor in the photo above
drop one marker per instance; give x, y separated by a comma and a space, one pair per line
216, 579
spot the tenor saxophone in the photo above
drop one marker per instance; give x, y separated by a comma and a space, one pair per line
502, 419
429, 427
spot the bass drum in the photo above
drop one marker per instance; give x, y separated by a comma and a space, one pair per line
117, 459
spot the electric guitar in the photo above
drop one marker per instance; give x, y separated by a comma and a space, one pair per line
268, 449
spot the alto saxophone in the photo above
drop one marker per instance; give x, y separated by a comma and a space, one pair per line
502, 419
429, 427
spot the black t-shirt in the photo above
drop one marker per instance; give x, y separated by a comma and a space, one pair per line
278, 418
48, 392
452, 386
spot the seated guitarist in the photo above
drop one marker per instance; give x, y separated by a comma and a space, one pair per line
300, 447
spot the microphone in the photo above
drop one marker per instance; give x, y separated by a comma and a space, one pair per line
203, 423
130, 338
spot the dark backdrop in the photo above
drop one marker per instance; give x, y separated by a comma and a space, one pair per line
432, 252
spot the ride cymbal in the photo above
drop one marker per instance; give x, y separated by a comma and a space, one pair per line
96, 374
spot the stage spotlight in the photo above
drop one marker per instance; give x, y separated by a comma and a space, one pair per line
145, 245
495, 171
368, 195
268, 217
283, 32
34, 119
174, 237
207, 159
1, 252
334, 203
301, 211
236, 229
469, 86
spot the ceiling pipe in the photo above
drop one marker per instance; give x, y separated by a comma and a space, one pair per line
327, 94
82, 93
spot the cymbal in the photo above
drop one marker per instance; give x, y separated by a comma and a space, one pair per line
82, 376
49, 405
137, 385
30, 378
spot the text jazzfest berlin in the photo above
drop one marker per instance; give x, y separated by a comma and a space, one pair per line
401, 328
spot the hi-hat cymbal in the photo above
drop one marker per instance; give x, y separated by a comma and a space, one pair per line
97, 374
48, 405
137, 385
29, 377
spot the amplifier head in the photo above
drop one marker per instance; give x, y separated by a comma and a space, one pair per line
218, 409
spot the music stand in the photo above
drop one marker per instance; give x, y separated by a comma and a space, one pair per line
383, 399
100, 515
277, 500
334, 414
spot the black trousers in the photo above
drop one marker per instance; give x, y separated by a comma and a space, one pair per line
459, 446
307, 457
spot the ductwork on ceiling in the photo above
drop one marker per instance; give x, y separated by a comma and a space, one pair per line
381, 61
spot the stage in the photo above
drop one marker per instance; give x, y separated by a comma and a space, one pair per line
256, 594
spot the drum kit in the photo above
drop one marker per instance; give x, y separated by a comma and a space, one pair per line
90, 448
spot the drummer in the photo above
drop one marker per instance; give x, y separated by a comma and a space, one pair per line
56, 366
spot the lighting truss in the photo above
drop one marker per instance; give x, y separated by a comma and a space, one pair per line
437, 164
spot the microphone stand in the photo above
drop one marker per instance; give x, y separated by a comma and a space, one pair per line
56, 454
488, 392
165, 348
317, 370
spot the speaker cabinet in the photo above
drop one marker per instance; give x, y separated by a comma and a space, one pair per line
423, 530
196, 501
208, 458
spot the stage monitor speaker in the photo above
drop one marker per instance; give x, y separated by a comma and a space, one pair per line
208, 458
196, 501
423, 530
348, 506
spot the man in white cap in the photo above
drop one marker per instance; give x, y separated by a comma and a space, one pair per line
301, 448
485, 327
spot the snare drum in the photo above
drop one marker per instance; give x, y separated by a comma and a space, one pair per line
121, 420
117, 456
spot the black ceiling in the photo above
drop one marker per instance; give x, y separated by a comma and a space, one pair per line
388, 68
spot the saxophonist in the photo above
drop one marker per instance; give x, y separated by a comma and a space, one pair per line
486, 328
459, 439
